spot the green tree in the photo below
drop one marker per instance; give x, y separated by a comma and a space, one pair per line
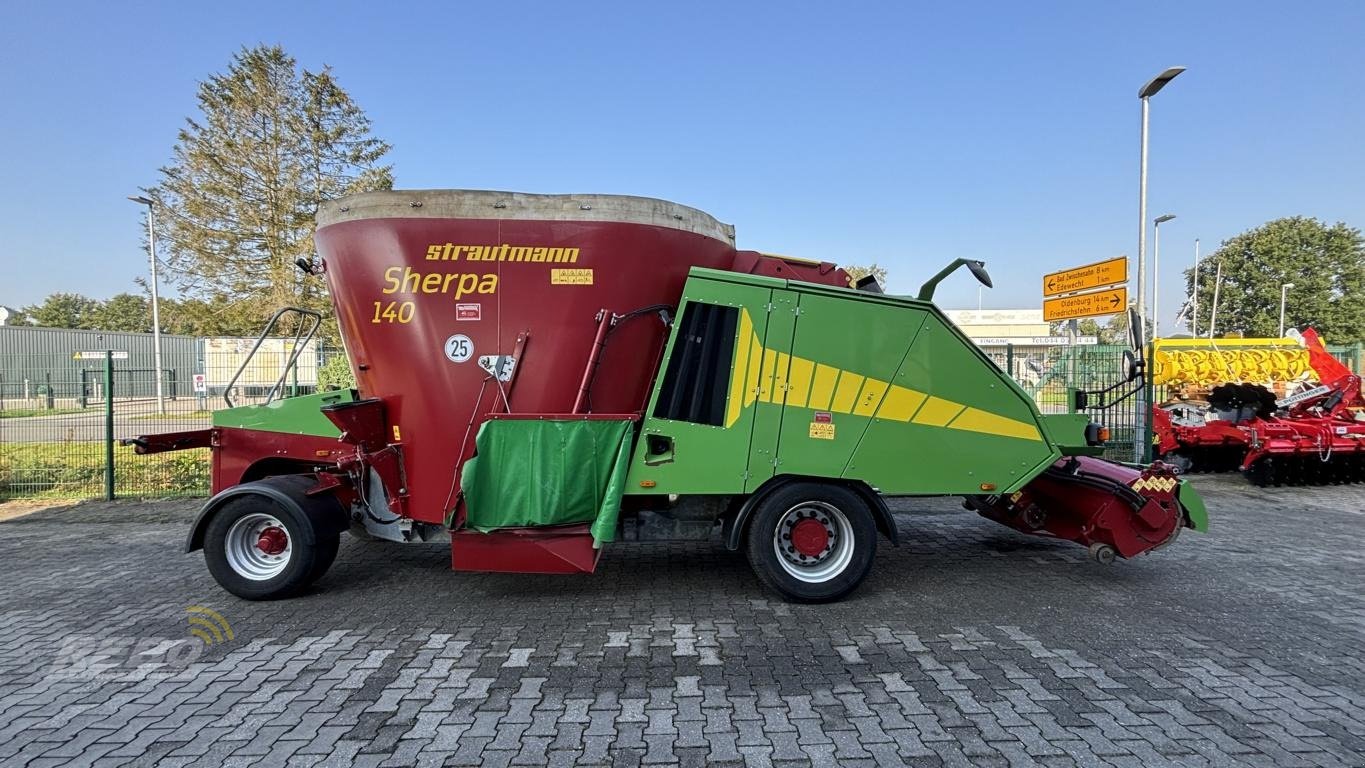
336, 373
1326, 264
63, 310
124, 312
18, 316
236, 206
858, 272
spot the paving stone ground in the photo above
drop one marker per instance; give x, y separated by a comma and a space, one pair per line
969, 645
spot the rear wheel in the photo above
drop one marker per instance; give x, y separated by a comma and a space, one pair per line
812, 542
260, 550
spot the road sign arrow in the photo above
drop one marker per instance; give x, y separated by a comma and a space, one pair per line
1094, 304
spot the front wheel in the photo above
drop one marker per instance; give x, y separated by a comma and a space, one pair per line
259, 550
812, 542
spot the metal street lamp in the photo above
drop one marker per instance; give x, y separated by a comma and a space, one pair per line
1194, 294
156, 303
1156, 272
1146, 92
1284, 289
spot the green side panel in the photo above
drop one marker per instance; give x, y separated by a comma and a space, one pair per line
830, 382
1194, 506
1067, 432
532, 472
294, 415
845, 353
974, 425
705, 459
772, 386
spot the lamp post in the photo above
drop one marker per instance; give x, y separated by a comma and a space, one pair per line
1194, 294
1284, 289
156, 304
1146, 92
1156, 272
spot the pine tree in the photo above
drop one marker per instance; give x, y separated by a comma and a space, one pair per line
236, 206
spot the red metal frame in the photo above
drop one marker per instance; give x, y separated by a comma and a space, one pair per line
1092, 501
557, 549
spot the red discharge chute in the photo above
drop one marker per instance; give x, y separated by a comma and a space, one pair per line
1111, 508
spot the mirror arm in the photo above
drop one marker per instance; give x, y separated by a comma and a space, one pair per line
926, 291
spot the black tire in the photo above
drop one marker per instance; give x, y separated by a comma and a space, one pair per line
302, 563
848, 522
327, 545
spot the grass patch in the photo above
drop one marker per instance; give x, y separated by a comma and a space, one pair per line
72, 470
173, 416
23, 413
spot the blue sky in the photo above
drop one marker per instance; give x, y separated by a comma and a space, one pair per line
905, 133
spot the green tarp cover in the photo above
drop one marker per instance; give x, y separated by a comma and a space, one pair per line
530, 472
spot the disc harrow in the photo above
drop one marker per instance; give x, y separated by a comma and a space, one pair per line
1314, 438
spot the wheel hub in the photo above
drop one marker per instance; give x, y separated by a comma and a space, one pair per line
258, 547
273, 540
807, 536
810, 537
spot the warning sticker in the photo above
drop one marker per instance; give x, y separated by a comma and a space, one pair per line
823, 417
571, 277
468, 311
821, 430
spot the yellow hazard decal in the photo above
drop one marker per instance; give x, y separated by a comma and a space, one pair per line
1161, 484
768, 376
821, 431
571, 277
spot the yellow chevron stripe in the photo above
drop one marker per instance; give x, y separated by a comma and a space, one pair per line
737, 372
798, 381
769, 376
937, 412
822, 387
751, 375
900, 404
976, 420
870, 397
780, 378
765, 379
847, 392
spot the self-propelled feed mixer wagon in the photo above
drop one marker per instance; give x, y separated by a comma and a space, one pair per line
540, 376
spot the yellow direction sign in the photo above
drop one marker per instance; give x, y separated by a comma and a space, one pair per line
1087, 277
1107, 302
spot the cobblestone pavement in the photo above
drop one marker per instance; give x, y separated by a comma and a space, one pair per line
970, 645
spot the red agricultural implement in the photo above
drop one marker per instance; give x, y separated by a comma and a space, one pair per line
539, 376
1314, 437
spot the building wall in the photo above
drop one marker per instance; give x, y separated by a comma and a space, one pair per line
32, 358
1000, 323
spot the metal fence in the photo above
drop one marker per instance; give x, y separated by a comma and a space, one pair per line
1052, 374
1352, 355
61, 419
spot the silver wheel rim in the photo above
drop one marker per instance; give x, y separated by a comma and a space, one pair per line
832, 560
243, 551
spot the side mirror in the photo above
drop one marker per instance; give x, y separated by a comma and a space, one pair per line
1130, 364
1135, 330
978, 269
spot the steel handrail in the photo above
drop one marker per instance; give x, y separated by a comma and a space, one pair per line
299, 336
